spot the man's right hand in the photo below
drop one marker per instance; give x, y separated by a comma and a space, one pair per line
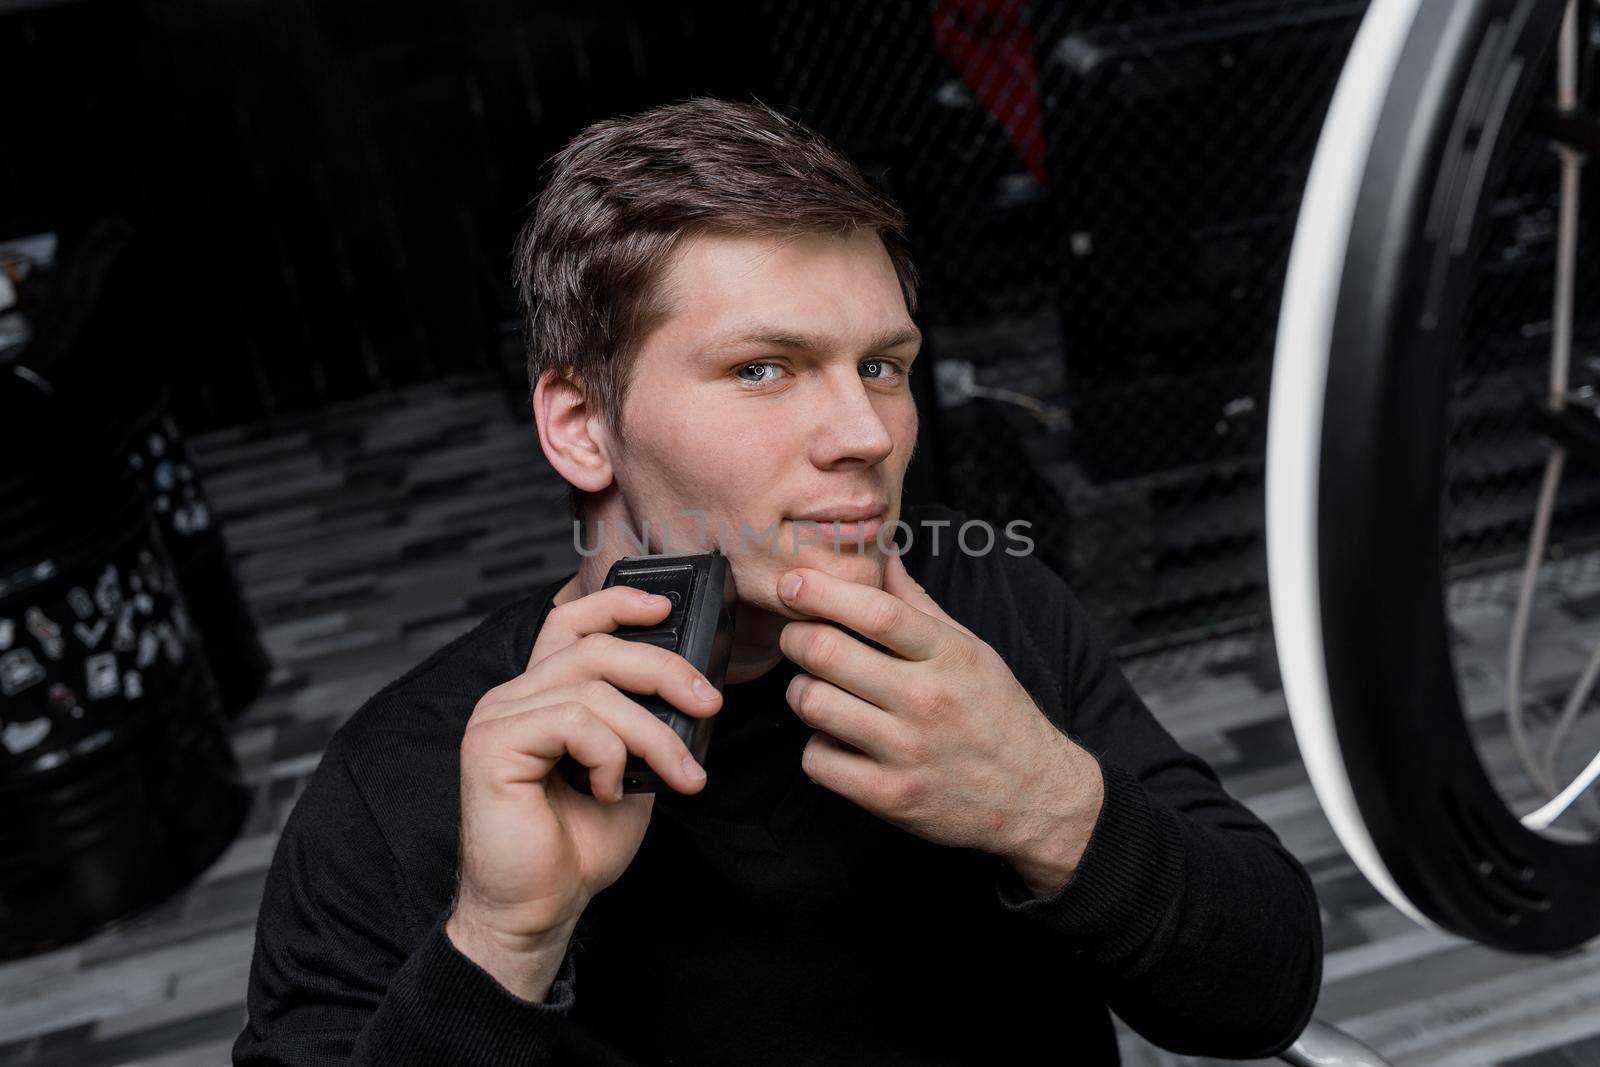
533, 849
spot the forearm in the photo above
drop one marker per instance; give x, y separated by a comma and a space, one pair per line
1204, 929
1237, 969
1209, 937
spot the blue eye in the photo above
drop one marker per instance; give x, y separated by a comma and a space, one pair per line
889, 366
756, 381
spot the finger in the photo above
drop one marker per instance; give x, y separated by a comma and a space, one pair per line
645, 735
898, 582
634, 667
867, 610
631, 666
522, 748
844, 716
827, 652
599, 612
839, 770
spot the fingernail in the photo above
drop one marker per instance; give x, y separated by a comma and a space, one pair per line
617, 793
790, 586
693, 769
702, 689
649, 598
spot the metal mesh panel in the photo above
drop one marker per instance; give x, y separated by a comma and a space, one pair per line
1102, 198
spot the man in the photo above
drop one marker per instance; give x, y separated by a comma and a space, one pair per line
935, 824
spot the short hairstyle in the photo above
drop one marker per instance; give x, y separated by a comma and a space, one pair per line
626, 192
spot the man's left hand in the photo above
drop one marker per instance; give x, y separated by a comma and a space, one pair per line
939, 737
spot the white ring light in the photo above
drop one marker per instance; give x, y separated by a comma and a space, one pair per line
1294, 423
1388, 239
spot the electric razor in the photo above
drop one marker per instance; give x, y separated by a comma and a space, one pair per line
699, 628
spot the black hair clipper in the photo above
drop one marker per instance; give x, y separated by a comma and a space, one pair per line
699, 628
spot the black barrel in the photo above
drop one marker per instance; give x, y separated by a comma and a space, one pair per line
116, 778
102, 351
159, 451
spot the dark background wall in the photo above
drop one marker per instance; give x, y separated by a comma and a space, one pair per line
325, 194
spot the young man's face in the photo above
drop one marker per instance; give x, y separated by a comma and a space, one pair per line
777, 392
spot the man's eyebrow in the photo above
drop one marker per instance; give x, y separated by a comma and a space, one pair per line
778, 338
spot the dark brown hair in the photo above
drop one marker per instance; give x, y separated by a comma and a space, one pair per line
624, 193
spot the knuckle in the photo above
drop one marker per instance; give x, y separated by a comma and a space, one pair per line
473, 741
557, 618
483, 743
886, 613
662, 659
656, 731
794, 695
925, 698
957, 657
809, 757
973, 654
813, 699
592, 644
908, 744
880, 797
961, 655
571, 713
823, 647
488, 701
800, 695
903, 792
616, 749
914, 789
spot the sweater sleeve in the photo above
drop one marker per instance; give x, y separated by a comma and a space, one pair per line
1205, 928
341, 975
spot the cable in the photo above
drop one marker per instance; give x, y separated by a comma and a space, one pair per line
1549, 813
956, 382
1561, 324
1519, 626
1046, 414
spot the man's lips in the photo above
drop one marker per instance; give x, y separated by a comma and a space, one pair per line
863, 528
844, 513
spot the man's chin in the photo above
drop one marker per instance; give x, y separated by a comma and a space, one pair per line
850, 562
761, 572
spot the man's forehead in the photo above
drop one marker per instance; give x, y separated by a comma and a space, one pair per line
771, 291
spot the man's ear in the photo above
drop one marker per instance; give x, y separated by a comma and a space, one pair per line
571, 432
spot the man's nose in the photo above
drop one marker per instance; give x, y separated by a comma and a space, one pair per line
848, 425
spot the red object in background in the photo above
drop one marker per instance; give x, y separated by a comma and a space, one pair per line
992, 49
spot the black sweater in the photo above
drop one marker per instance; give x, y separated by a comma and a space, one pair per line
768, 920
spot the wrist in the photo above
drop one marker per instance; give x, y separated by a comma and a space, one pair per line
1062, 820
524, 964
